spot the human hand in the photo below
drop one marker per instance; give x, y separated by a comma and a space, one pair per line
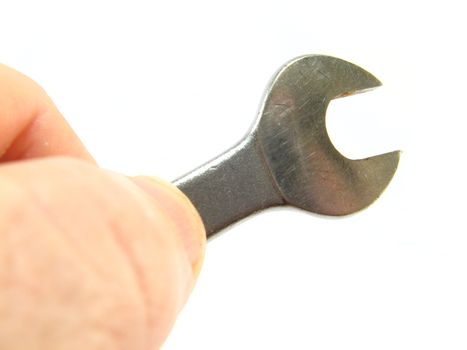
89, 259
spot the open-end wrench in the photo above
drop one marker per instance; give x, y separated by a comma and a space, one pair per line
288, 158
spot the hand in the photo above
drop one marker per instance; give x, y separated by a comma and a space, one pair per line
89, 259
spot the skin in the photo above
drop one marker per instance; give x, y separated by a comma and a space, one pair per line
89, 259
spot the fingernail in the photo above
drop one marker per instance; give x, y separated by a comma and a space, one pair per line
182, 212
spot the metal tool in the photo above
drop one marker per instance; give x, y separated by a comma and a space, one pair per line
288, 158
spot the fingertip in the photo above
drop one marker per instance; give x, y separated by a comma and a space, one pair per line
31, 126
182, 213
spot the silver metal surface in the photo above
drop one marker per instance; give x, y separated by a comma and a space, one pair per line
288, 158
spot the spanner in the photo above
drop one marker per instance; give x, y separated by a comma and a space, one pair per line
287, 158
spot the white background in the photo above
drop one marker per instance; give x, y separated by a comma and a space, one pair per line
159, 88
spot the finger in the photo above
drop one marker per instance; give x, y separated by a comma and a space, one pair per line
30, 124
88, 260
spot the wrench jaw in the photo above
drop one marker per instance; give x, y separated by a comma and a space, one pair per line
308, 171
363, 183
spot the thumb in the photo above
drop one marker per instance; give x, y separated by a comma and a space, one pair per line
189, 233
90, 259
180, 210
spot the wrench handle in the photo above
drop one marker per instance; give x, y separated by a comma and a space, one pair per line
231, 186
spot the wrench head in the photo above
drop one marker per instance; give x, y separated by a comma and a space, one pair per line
291, 133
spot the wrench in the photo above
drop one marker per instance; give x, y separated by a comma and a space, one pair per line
287, 157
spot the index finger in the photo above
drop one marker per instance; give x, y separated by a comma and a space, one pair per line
30, 124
